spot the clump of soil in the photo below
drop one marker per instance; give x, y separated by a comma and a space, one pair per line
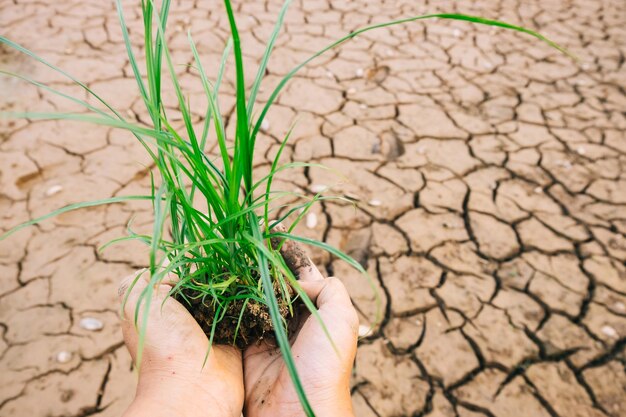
256, 323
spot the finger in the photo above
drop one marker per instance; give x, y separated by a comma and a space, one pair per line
331, 295
295, 257
129, 291
170, 279
127, 282
338, 316
169, 324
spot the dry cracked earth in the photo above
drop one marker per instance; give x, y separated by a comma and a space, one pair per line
488, 171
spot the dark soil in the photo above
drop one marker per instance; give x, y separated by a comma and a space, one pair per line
256, 324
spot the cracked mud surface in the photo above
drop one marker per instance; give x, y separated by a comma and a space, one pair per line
490, 173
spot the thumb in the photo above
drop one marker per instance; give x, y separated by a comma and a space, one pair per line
295, 257
169, 328
339, 319
332, 300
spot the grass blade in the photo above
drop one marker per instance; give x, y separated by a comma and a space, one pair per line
339, 254
266, 56
39, 59
72, 207
244, 150
279, 330
451, 16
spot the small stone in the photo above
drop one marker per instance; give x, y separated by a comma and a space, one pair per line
179, 28
389, 52
364, 330
421, 150
619, 306
538, 190
363, 106
329, 74
585, 66
55, 189
318, 188
456, 33
609, 331
64, 356
69, 51
487, 65
351, 90
374, 202
359, 72
265, 125
311, 220
581, 150
91, 324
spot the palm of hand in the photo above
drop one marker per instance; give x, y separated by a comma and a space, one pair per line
173, 370
324, 372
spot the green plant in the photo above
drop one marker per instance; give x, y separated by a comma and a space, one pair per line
223, 256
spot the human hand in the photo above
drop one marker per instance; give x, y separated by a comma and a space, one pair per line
325, 375
172, 378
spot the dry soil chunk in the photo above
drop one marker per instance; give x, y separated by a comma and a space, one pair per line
558, 386
467, 293
59, 394
495, 238
445, 354
608, 382
427, 230
408, 280
382, 370
451, 154
305, 95
559, 334
405, 332
536, 235
29, 324
498, 340
514, 400
432, 122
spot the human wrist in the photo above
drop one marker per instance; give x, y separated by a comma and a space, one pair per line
174, 394
336, 403
334, 409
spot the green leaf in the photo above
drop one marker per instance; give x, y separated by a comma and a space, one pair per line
279, 329
72, 207
266, 56
452, 16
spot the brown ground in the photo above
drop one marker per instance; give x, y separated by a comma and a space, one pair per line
490, 170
